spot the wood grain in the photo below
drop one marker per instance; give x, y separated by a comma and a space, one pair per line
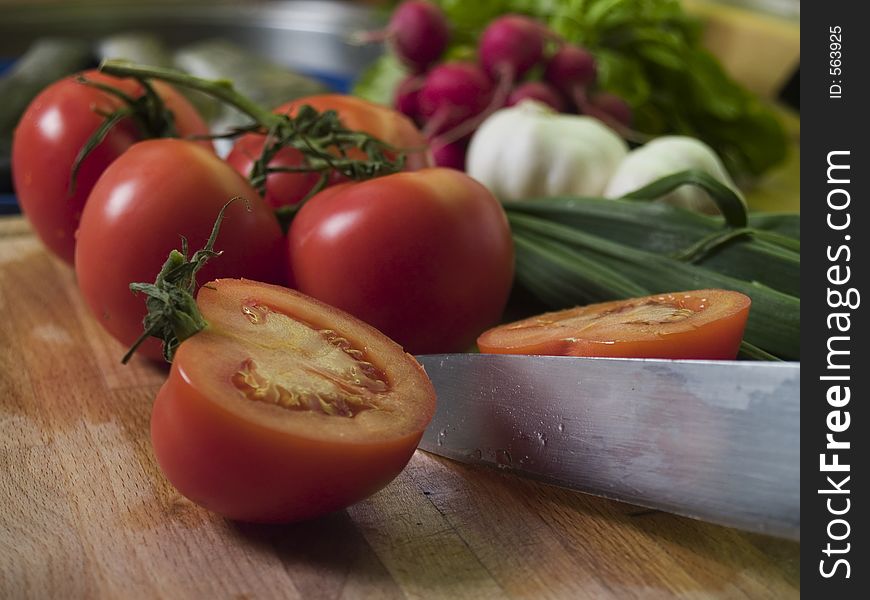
86, 513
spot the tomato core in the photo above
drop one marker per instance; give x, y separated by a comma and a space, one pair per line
653, 311
328, 374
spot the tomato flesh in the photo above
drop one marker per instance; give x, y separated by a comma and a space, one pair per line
701, 324
285, 408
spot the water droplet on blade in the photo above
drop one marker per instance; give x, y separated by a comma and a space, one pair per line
503, 459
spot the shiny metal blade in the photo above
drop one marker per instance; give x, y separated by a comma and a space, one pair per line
712, 440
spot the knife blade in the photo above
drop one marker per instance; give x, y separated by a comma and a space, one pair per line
712, 440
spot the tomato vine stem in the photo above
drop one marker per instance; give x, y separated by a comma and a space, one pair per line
148, 112
324, 142
222, 89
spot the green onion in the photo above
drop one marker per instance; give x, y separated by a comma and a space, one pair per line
766, 256
579, 250
729, 203
786, 224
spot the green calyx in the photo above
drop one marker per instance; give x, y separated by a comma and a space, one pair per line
173, 315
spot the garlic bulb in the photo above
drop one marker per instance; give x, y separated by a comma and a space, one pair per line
529, 151
665, 156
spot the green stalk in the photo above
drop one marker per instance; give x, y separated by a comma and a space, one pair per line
221, 89
774, 321
778, 239
785, 224
750, 352
554, 271
730, 204
670, 230
320, 137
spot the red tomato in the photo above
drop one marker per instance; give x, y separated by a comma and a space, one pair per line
355, 113
284, 408
701, 324
49, 136
426, 257
151, 195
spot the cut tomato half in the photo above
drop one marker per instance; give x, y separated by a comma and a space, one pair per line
284, 408
700, 324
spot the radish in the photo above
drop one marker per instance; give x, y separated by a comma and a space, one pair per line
407, 98
571, 69
610, 108
510, 46
450, 155
419, 33
452, 94
614, 112
537, 90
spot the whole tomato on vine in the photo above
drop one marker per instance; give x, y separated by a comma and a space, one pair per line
137, 211
72, 131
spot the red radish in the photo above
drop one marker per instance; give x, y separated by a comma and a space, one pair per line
510, 46
537, 90
450, 155
609, 108
452, 94
616, 113
570, 68
407, 98
418, 32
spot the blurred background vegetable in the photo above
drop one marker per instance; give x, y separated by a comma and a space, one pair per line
649, 53
529, 151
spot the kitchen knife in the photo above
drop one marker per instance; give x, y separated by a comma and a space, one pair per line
712, 440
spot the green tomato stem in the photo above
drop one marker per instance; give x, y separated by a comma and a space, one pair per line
222, 89
320, 137
173, 315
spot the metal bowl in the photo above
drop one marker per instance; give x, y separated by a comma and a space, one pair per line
304, 35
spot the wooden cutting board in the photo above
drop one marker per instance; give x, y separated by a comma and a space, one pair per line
86, 513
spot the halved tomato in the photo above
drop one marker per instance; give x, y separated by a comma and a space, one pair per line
700, 324
284, 408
